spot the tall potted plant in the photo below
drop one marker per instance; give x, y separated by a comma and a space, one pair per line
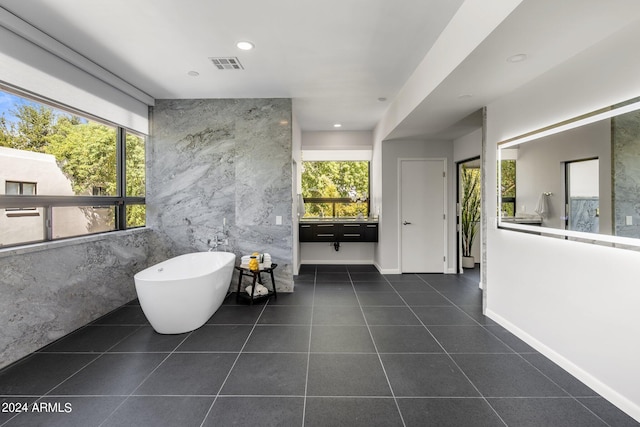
470, 212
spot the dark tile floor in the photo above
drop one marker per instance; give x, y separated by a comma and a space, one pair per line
349, 347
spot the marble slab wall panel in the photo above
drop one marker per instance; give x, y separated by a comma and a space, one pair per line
583, 214
216, 159
52, 292
626, 173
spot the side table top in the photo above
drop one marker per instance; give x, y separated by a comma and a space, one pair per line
241, 268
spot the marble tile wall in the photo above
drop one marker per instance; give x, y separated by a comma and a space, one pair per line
216, 159
51, 292
626, 173
583, 214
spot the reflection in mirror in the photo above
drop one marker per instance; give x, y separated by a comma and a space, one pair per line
576, 179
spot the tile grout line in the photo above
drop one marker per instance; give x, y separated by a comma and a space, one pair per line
484, 327
384, 370
306, 380
145, 379
98, 356
215, 399
444, 349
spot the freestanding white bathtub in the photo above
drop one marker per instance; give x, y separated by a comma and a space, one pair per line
180, 294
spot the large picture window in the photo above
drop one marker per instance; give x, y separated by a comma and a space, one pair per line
90, 174
335, 189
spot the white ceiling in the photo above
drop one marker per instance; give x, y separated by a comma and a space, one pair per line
334, 58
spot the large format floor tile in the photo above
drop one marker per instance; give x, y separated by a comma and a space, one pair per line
346, 375
188, 374
426, 375
350, 411
448, 412
256, 411
279, 374
341, 339
350, 347
69, 412
161, 411
39, 373
111, 374
506, 375
535, 412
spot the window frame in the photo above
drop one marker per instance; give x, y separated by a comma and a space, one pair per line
511, 200
16, 212
48, 202
21, 186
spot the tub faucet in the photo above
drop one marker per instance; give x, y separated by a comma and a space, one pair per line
216, 241
213, 244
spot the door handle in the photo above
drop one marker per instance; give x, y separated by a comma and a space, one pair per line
406, 223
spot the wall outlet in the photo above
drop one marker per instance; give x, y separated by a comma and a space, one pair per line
278, 220
629, 220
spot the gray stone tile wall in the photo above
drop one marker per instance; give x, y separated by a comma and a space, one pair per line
211, 159
625, 130
49, 293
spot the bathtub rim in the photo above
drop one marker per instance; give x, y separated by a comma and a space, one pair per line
149, 274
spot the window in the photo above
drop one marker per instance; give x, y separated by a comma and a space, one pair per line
99, 191
20, 188
90, 174
508, 187
335, 188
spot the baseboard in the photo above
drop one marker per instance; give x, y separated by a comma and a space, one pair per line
389, 271
377, 266
626, 405
451, 270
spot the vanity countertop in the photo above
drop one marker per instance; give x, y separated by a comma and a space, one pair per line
525, 219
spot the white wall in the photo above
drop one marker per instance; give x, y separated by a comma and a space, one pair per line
296, 154
468, 146
337, 140
388, 244
575, 302
349, 253
375, 196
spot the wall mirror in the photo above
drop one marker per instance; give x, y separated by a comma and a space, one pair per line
579, 179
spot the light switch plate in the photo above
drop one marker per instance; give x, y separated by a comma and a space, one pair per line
278, 220
629, 220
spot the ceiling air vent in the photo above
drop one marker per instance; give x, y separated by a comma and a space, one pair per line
230, 63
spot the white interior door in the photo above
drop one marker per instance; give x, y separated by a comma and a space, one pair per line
423, 215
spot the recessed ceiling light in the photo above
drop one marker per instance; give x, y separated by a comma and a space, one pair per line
337, 125
518, 57
465, 96
245, 45
193, 73
382, 99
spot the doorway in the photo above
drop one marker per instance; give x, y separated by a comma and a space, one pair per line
582, 196
423, 213
468, 196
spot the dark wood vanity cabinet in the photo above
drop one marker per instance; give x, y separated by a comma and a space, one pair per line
371, 232
338, 231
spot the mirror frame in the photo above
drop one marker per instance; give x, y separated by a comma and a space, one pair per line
582, 120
